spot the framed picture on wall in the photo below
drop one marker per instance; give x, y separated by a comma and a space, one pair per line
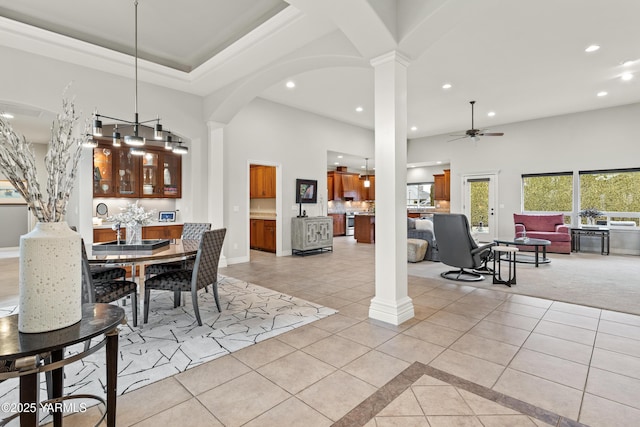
306, 191
9, 195
167, 216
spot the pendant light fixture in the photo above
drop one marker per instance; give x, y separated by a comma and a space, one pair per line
135, 139
367, 183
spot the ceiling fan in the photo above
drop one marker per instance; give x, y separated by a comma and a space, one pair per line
475, 133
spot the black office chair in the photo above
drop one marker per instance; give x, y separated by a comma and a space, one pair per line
457, 248
204, 273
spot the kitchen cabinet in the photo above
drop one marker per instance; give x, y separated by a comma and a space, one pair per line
365, 228
311, 234
162, 232
118, 173
442, 184
339, 224
263, 235
350, 186
262, 182
148, 232
368, 193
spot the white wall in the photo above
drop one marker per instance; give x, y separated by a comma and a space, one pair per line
297, 142
424, 173
599, 139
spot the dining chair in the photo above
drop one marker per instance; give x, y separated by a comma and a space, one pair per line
190, 231
107, 290
203, 273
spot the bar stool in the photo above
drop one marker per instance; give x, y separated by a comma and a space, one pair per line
510, 258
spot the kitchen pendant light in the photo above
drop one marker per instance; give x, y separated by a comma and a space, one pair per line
134, 139
367, 183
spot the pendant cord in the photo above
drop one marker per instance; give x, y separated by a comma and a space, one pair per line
136, 67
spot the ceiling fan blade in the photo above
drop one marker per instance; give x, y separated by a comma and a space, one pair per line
491, 134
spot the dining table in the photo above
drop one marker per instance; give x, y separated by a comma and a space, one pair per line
176, 250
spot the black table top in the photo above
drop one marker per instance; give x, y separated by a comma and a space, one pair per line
96, 320
525, 242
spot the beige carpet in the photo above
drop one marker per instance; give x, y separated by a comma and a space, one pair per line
610, 282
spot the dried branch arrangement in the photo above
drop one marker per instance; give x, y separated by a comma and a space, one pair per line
17, 164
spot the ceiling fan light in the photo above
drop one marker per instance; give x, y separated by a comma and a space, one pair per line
134, 140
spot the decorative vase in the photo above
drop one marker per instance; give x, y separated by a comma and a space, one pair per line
134, 234
50, 278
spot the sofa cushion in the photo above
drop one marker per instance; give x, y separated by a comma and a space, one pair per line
539, 222
411, 223
424, 224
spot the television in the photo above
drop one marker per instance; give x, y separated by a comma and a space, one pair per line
306, 191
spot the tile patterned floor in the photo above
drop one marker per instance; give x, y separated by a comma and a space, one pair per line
576, 363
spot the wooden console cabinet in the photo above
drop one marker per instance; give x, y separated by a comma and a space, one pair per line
148, 232
311, 234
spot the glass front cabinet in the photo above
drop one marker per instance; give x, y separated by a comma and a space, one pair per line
118, 173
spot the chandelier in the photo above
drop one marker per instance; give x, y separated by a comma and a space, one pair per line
136, 140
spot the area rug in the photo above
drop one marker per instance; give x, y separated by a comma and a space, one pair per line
172, 342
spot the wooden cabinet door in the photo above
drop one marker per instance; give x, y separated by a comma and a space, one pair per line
329, 186
104, 235
269, 231
447, 184
171, 176
269, 182
127, 178
350, 186
438, 181
339, 224
256, 238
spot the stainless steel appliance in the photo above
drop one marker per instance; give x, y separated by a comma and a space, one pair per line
351, 219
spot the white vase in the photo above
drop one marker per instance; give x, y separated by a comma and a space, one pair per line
134, 234
50, 278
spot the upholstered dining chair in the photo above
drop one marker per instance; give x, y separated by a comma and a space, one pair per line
105, 289
203, 273
190, 231
457, 248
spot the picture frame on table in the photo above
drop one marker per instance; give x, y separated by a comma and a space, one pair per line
167, 216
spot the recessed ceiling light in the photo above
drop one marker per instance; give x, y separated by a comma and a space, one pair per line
414, 128
602, 93
7, 115
592, 48
362, 167
412, 166
340, 156
291, 84
336, 163
446, 86
626, 77
491, 113
627, 62
359, 109
438, 162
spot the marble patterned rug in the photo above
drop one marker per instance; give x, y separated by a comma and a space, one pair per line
172, 342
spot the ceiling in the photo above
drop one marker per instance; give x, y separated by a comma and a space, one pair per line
520, 59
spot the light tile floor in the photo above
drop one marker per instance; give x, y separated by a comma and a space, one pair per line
577, 362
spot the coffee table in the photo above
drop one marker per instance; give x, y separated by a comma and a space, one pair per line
536, 243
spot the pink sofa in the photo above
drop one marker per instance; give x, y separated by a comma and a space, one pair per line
548, 227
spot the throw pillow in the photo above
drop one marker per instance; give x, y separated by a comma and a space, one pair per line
411, 223
424, 224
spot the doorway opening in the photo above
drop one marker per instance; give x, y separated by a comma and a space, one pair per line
479, 205
262, 209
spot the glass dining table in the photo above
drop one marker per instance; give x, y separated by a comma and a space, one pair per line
137, 259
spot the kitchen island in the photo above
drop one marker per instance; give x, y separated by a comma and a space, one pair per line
365, 228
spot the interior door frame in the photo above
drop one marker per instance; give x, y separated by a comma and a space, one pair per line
493, 219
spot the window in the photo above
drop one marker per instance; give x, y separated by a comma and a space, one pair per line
419, 195
614, 192
548, 192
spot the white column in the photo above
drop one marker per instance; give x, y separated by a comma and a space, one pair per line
391, 303
215, 179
